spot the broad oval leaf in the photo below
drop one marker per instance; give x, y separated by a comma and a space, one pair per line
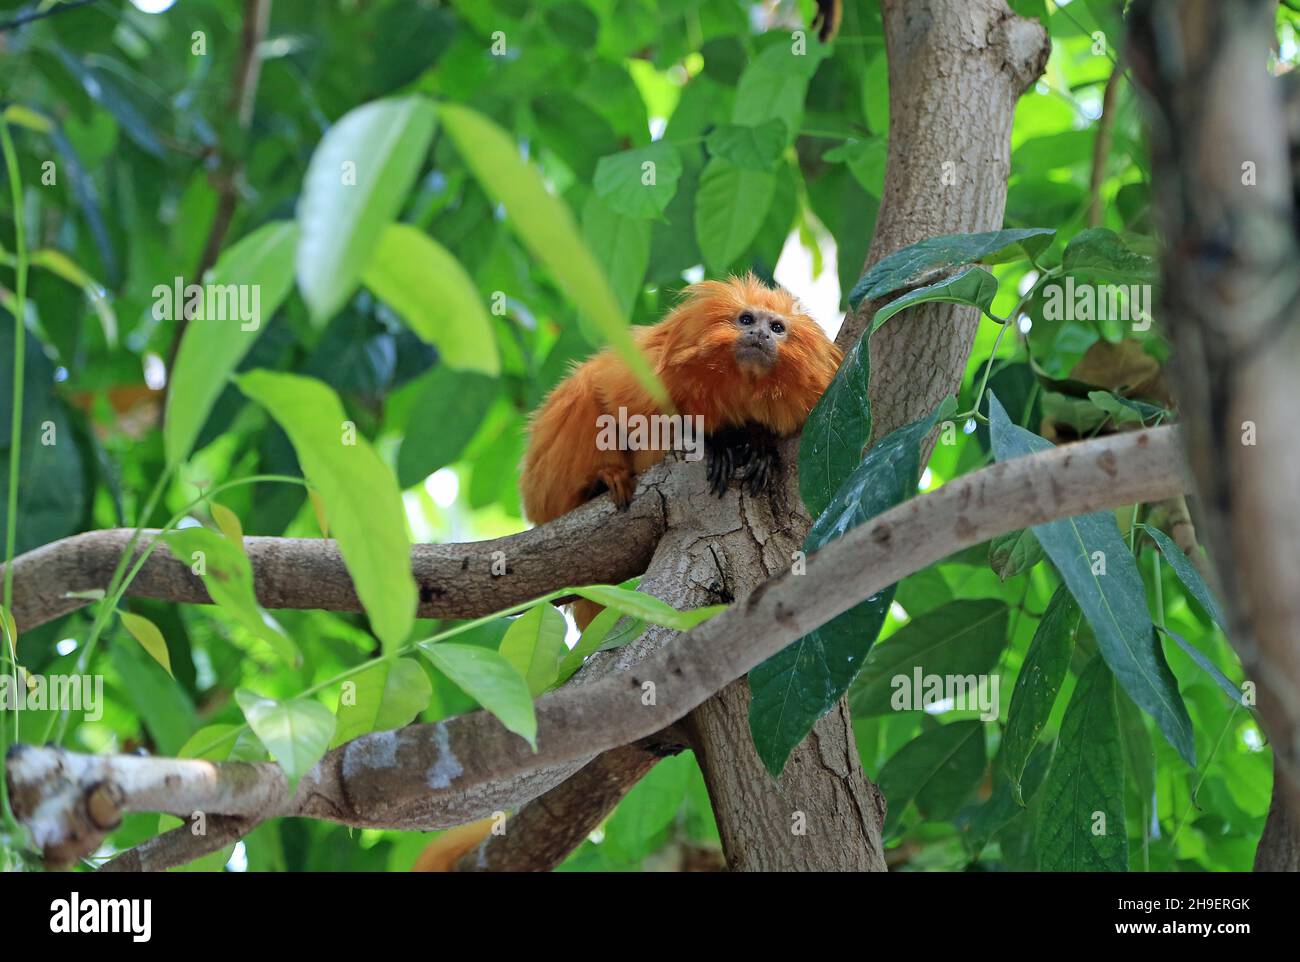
639, 182
962, 638
1099, 250
1014, 552
1038, 684
489, 679
937, 770
210, 350
360, 494
1080, 824
228, 576
446, 413
622, 244
545, 225
151, 640
973, 286
774, 85
1114, 602
386, 696
534, 645
730, 207
755, 147
420, 280
359, 175
296, 732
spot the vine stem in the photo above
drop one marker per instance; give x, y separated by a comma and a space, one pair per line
15, 435
122, 578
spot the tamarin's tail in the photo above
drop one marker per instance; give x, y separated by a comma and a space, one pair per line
445, 851
584, 612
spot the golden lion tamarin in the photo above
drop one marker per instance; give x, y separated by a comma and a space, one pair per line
736, 356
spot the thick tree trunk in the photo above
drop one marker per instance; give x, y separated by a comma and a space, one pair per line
956, 70
1224, 189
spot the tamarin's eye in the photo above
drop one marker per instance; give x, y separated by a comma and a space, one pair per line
778, 327
746, 319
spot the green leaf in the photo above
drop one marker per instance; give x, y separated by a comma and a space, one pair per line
751, 147
730, 207
210, 350
970, 285
446, 413
1210, 668
489, 679
534, 645
937, 770
1014, 552
229, 524
801, 683
622, 244
647, 607
386, 696
1004, 804
1114, 602
917, 264
1124, 411
597, 634
639, 182
774, 85
1139, 754
151, 640
836, 432
1038, 684
356, 183
546, 227
963, 637
649, 808
360, 494
1188, 575
865, 160
228, 576
296, 732
1099, 250
1080, 825
420, 280
163, 708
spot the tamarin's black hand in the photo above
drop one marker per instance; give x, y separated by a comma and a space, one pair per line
752, 448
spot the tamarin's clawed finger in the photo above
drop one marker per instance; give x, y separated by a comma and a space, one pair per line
741, 362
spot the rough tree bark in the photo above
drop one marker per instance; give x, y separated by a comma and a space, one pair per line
1223, 185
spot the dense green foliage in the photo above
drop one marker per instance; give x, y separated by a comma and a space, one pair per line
442, 205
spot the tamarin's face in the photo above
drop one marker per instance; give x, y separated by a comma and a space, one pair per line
761, 335
743, 321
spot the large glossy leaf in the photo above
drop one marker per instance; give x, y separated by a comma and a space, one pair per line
359, 492
489, 679
296, 732
730, 207
970, 285
914, 265
386, 696
228, 576
937, 770
546, 227
963, 637
1114, 602
1038, 684
752, 147
211, 349
836, 432
357, 180
534, 645
801, 683
420, 279
1080, 824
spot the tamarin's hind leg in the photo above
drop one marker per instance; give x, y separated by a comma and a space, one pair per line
619, 481
751, 447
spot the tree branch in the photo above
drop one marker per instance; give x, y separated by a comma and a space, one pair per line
595, 543
451, 772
